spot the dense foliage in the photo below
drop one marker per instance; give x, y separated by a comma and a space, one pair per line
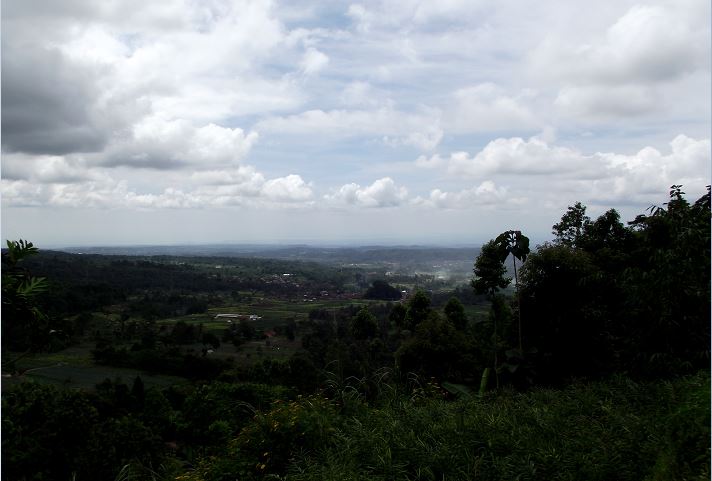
382, 290
607, 298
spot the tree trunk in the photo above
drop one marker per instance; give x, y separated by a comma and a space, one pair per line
494, 337
519, 307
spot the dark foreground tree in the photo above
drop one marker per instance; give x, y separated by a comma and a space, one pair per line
25, 326
436, 349
397, 315
514, 243
489, 278
455, 313
623, 299
417, 310
570, 229
364, 325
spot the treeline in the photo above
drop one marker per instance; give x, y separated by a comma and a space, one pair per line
200, 274
604, 297
76, 285
601, 298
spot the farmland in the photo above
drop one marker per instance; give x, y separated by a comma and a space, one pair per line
170, 287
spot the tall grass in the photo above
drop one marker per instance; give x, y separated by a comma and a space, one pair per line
614, 430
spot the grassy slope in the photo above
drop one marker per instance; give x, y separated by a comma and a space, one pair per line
614, 430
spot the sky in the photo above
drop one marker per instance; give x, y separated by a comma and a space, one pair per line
401, 122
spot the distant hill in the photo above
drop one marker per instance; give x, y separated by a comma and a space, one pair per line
335, 255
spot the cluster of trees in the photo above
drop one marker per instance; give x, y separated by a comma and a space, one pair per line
55, 433
411, 335
161, 286
382, 290
604, 297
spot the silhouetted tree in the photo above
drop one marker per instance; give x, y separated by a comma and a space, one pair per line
417, 310
489, 278
25, 326
455, 313
364, 325
397, 315
436, 349
514, 243
569, 230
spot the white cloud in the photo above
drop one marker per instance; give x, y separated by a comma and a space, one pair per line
425, 140
520, 157
240, 186
359, 94
607, 102
362, 17
22, 193
313, 61
396, 128
627, 70
487, 193
242, 175
382, 193
46, 168
159, 143
514, 156
604, 177
486, 108
287, 189
95, 194
649, 43
432, 162
371, 16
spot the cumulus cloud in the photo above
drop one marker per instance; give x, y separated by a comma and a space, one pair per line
46, 168
93, 77
514, 156
621, 72
95, 194
382, 193
159, 143
647, 43
242, 175
521, 157
602, 176
487, 193
242, 186
287, 189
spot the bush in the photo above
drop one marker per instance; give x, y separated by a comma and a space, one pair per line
618, 429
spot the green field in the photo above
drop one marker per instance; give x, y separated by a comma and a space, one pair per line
74, 368
272, 312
